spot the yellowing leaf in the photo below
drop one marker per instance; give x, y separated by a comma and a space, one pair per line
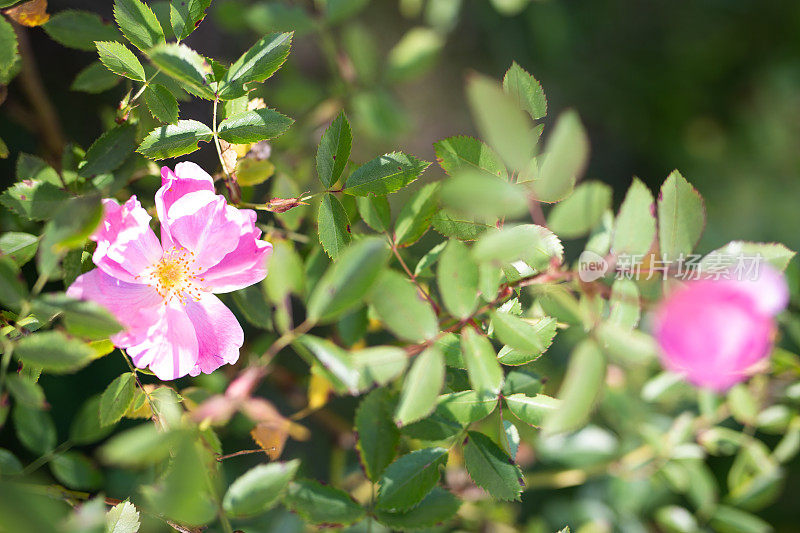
252, 171
101, 348
32, 13
319, 390
229, 156
271, 437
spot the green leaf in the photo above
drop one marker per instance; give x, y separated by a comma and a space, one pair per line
466, 407
527, 341
484, 197
254, 126
743, 405
415, 53
110, 150
379, 364
175, 139
82, 318
347, 281
438, 506
183, 492
421, 387
502, 123
321, 504
635, 228
377, 435
34, 200
76, 471
522, 382
485, 373
565, 158
185, 16
457, 226
256, 65
681, 217
535, 245
415, 216
457, 278
333, 151
384, 174
580, 388
402, 308
30, 167
333, 226
54, 352
491, 468
577, 215
526, 90
80, 29
86, 427
626, 345
285, 272
259, 488
252, 303
339, 10
731, 520
8, 46
140, 446
9, 464
161, 103
120, 60
463, 153
35, 428
624, 305
94, 79
265, 18
675, 519
117, 398
185, 65
25, 391
410, 478
334, 360
122, 518
12, 290
532, 410
775, 254
375, 212
138, 23
429, 259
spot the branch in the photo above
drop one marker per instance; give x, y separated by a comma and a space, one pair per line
46, 117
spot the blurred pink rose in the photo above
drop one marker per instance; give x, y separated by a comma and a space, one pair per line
716, 331
162, 292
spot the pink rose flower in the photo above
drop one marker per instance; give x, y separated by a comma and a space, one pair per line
162, 292
716, 332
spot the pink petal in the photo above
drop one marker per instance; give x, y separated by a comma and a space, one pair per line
125, 243
187, 178
711, 332
204, 224
169, 347
245, 265
219, 334
132, 304
768, 291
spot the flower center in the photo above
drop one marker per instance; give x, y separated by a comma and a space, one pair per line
175, 276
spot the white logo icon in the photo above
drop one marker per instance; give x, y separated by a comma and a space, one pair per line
591, 266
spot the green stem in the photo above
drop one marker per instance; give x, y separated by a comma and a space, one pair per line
216, 138
46, 458
8, 348
144, 86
